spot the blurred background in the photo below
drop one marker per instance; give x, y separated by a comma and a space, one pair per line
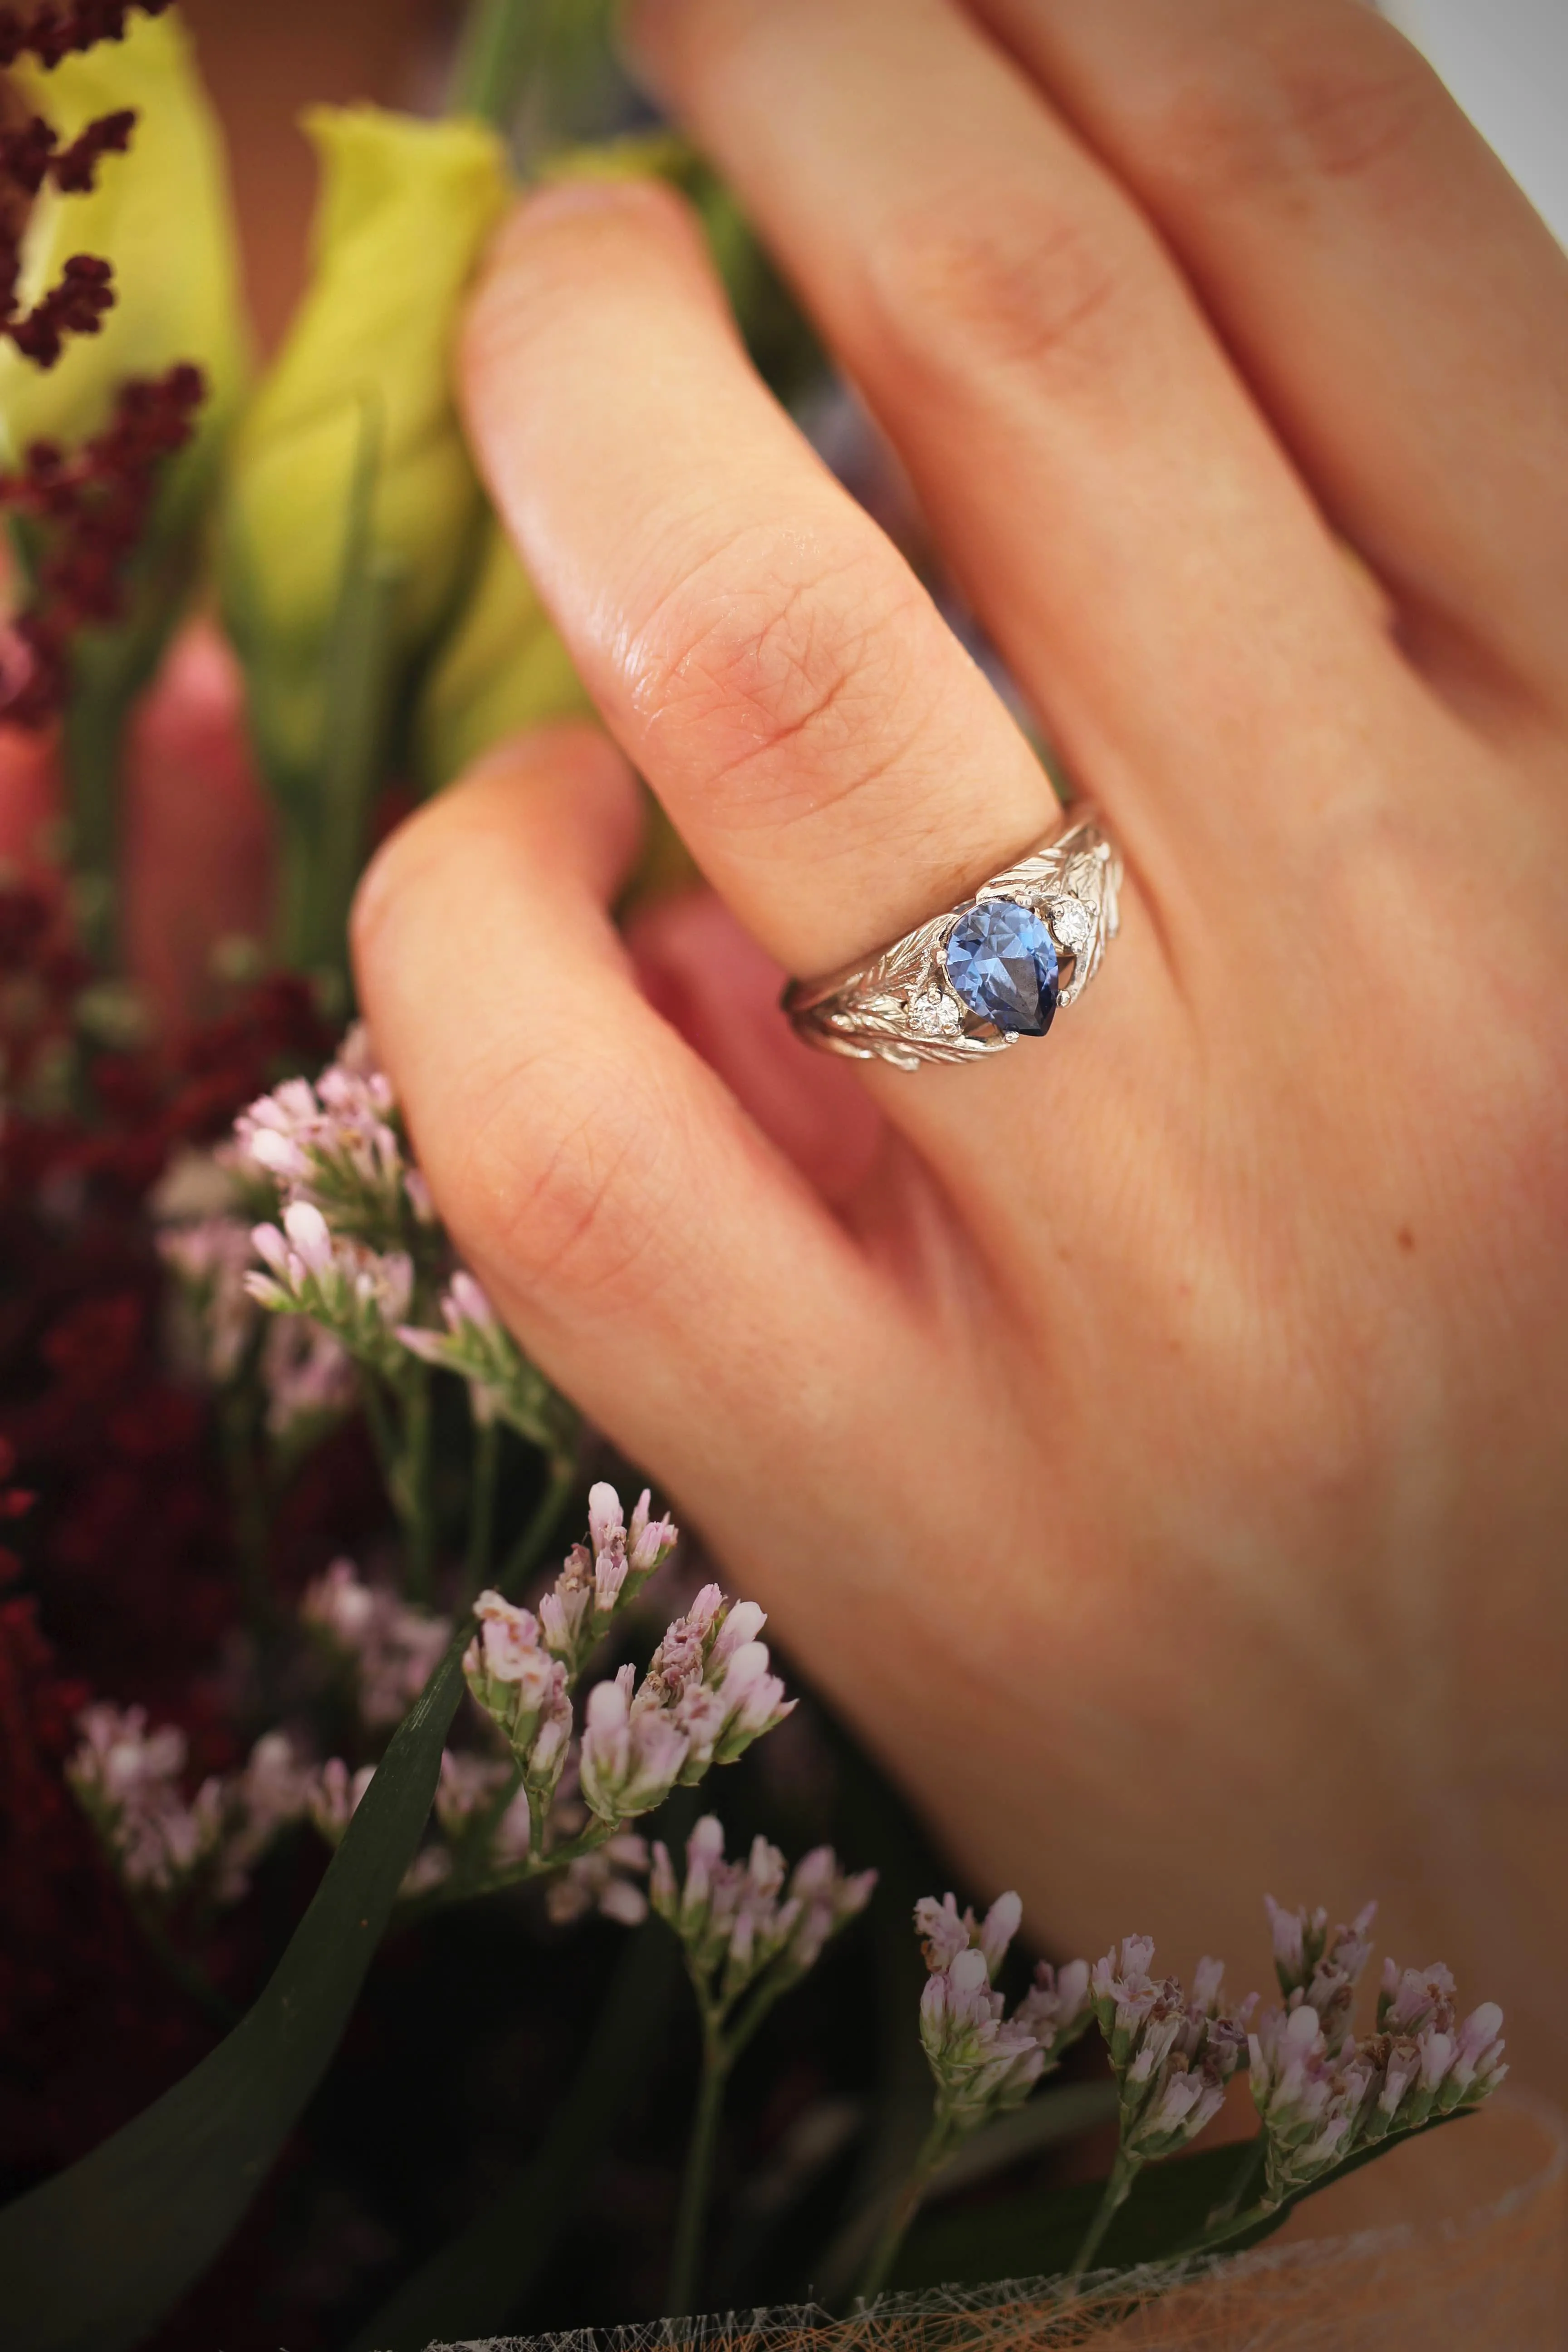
1506, 61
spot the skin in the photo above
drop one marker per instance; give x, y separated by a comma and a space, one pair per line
1151, 1439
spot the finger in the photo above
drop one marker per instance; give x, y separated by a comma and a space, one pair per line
720, 992
1151, 567
660, 1261
1400, 307
835, 761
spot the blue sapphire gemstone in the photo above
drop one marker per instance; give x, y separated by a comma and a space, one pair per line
1002, 963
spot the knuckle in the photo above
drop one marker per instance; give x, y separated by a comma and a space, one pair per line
552, 1175
784, 658
958, 287
1325, 95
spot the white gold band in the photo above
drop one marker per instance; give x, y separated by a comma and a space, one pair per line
974, 980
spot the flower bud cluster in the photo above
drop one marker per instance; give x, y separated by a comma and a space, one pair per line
983, 2062
338, 1145
740, 1920
1172, 2053
603, 1575
523, 1690
129, 1779
1324, 2095
359, 1295
503, 1384
308, 1375
210, 1259
269, 1793
708, 1694
608, 1881
1319, 1968
389, 1649
334, 1796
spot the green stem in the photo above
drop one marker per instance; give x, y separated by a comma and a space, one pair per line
298, 853
1118, 2188
534, 1541
403, 1456
905, 2205
416, 1468
533, 1866
1249, 2180
494, 55
696, 2185
247, 1503
482, 1508
90, 755
378, 1421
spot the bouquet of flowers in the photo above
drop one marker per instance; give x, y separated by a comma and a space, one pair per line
353, 1838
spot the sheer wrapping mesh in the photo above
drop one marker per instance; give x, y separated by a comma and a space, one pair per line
1495, 2281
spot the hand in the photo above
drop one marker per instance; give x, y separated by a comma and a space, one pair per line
1152, 1440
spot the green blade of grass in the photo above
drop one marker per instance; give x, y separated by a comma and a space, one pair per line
90, 2260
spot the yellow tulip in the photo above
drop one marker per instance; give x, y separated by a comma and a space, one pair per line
350, 452
161, 215
502, 668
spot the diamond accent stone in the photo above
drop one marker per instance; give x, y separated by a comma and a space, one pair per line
1071, 923
1001, 961
935, 1015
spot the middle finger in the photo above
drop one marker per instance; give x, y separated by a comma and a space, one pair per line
1154, 572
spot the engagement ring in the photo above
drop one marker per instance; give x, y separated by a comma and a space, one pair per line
976, 980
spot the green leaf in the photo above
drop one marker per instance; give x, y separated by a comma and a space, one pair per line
475, 2283
92, 2260
325, 842
1036, 2235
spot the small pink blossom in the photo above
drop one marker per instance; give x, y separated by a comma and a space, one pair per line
391, 1648
607, 1881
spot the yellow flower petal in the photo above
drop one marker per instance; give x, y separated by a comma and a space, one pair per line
162, 215
362, 381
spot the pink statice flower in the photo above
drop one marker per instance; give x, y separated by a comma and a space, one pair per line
740, 1921
335, 1795
1319, 1968
983, 2062
521, 1687
608, 1881
360, 1295
270, 1792
1172, 2052
128, 1780
631, 1756
339, 1145
503, 1384
604, 1575
1323, 2094
309, 1377
713, 1678
389, 1648
210, 1260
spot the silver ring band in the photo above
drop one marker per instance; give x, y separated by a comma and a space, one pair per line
974, 981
